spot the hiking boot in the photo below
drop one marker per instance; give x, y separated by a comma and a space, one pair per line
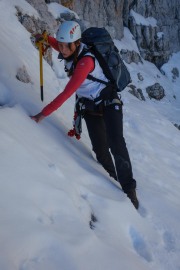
132, 196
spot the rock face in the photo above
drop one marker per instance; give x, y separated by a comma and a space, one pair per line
102, 13
152, 44
35, 26
155, 43
167, 14
41, 7
99, 13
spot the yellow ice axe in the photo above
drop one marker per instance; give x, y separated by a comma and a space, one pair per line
42, 46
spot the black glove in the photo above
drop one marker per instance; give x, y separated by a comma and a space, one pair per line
38, 38
41, 38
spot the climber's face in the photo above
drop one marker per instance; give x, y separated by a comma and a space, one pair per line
67, 49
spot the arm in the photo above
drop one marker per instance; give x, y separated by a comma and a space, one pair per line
83, 68
53, 43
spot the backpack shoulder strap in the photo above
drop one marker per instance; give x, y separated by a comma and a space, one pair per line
103, 65
83, 53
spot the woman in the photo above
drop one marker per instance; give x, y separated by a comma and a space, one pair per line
105, 121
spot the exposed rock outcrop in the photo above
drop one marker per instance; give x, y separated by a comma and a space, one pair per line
46, 16
35, 26
155, 91
175, 72
167, 14
102, 13
177, 126
137, 92
22, 75
130, 56
156, 43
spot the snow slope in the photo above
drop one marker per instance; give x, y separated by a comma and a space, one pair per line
51, 187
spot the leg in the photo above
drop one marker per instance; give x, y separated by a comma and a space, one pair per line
113, 118
97, 133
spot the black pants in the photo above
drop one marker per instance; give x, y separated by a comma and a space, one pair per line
106, 132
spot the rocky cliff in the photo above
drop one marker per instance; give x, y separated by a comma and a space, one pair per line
158, 42
155, 42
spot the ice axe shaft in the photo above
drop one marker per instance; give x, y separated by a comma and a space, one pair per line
42, 45
41, 69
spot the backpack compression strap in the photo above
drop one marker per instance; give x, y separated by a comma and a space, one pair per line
94, 79
90, 77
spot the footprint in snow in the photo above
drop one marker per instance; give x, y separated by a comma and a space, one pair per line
45, 219
139, 244
54, 168
169, 241
89, 210
142, 211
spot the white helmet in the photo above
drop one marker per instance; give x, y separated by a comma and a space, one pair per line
69, 31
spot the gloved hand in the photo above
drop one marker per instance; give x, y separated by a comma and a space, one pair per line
41, 38
38, 38
38, 117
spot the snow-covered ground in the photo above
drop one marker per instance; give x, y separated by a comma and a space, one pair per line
51, 187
